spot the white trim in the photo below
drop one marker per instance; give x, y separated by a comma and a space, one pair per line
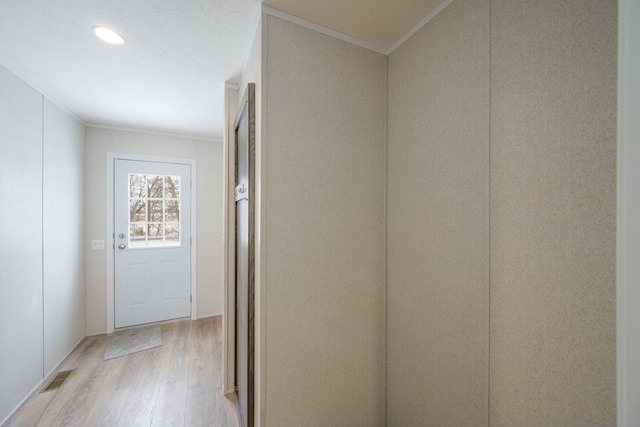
51, 99
234, 86
41, 383
419, 25
228, 308
152, 132
43, 213
194, 243
622, 222
628, 232
323, 30
111, 157
110, 241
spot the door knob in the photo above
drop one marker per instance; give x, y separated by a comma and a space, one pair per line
121, 246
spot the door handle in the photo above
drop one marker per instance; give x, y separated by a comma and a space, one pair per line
122, 246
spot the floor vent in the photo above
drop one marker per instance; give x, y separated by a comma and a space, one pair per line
57, 381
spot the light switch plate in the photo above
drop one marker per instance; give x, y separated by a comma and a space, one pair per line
97, 245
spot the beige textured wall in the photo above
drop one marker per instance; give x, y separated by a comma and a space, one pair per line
325, 129
438, 223
553, 213
209, 213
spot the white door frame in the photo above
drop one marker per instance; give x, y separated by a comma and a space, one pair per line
628, 291
110, 241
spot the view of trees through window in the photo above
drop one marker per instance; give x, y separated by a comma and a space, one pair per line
154, 210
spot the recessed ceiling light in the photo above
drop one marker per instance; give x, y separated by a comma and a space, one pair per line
108, 35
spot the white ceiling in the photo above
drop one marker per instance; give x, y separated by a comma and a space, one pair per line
169, 75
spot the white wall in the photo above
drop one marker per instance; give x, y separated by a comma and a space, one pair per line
42, 308
64, 291
209, 237
629, 215
21, 346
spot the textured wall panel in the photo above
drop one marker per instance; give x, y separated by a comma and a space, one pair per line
553, 223
64, 256
325, 229
20, 240
438, 265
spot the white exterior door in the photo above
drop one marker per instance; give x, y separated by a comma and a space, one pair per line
152, 241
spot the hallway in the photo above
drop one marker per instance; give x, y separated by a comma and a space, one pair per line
176, 384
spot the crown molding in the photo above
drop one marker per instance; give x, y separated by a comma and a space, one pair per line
419, 25
43, 93
151, 132
323, 30
353, 40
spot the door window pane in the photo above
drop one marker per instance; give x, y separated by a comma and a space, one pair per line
137, 186
172, 211
137, 210
172, 187
154, 183
154, 211
137, 236
172, 234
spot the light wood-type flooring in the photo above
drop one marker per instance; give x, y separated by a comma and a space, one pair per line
176, 384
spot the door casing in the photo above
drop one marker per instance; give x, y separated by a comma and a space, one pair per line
109, 233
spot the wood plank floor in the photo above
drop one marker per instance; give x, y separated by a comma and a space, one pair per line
176, 384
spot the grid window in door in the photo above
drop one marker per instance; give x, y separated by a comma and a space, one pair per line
154, 211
